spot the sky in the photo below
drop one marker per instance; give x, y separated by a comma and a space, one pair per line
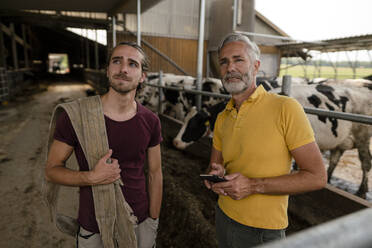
101, 34
311, 20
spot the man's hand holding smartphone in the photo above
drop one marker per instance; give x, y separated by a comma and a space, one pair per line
212, 178
217, 170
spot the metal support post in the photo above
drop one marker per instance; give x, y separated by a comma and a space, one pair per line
29, 34
286, 85
160, 107
2, 49
208, 69
320, 66
113, 32
304, 68
139, 22
14, 47
355, 64
25, 46
235, 11
350, 63
96, 55
315, 64
87, 49
199, 71
334, 65
369, 56
286, 64
249, 13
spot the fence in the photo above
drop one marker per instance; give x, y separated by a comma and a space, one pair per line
353, 230
365, 119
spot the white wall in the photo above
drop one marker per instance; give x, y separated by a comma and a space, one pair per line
171, 18
269, 65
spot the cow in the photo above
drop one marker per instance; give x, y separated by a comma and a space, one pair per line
330, 133
177, 103
196, 130
197, 125
276, 82
359, 83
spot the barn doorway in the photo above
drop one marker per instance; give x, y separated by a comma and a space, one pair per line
58, 63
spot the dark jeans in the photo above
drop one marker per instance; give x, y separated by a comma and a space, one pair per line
231, 234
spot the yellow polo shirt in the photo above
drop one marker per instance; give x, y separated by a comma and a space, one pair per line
256, 142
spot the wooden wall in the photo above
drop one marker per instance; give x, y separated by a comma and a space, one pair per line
182, 51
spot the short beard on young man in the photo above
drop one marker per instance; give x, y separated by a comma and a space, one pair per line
121, 88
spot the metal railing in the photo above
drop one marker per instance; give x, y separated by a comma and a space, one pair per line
353, 230
365, 119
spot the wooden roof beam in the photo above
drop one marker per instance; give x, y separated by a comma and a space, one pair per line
18, 39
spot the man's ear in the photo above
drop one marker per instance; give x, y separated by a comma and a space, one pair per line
143, 77
257, 64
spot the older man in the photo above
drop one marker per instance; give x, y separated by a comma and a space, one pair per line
255, 139
112, 151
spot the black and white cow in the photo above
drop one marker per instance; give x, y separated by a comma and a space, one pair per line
276, 82
197, 124
177, 103
359, 83
331, 134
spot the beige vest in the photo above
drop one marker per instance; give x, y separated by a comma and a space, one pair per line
115, 217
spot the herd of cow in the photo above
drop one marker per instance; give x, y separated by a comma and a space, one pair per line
336, 136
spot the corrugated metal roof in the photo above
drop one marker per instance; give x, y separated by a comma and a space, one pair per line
54, 19
362, 42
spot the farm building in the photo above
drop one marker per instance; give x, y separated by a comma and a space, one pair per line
175, 33
43, 64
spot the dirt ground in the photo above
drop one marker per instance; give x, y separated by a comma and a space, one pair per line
23, 129
187, 218
348, 174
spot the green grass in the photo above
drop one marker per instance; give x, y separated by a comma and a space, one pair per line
325, 72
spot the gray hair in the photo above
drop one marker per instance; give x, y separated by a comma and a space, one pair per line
253, 50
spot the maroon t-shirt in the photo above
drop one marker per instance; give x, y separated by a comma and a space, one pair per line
129, 141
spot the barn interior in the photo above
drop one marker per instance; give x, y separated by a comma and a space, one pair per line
40, 55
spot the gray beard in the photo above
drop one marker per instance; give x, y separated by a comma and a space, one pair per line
238, 87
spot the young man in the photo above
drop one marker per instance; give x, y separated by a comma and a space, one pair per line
255, 138
133, 133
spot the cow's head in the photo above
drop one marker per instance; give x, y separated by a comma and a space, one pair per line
196, 126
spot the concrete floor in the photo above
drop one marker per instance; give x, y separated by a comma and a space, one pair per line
24, 128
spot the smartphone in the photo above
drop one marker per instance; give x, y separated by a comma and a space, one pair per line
212, 178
